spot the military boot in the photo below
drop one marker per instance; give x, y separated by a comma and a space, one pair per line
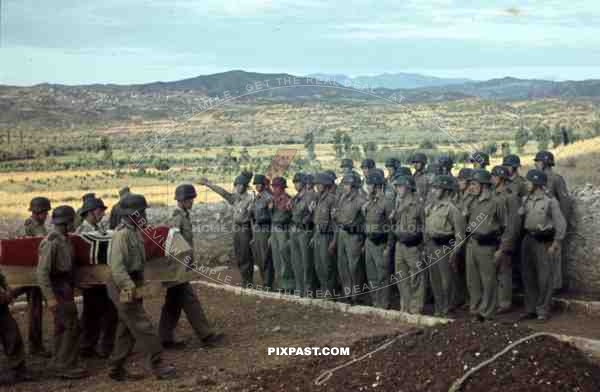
163, 372
120, 374
75, 373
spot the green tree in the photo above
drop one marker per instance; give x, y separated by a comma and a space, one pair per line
309, 145
521, 138
542, 135
505, 149
347, 141
370, 149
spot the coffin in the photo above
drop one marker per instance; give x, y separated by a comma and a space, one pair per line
166, 255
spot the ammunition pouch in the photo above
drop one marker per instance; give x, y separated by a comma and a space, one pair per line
543, 235
377, 238
410, 239
490, 239
442, 239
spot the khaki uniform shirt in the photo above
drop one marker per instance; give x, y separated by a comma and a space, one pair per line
261, 213
488, 218
323, 212
518, 185
513, 219
127, 255
558, 189
541, 212
86, 227
422, 181
443, 219
55, 263
349, 208
377, 212
301, 204
32, 228
408, 216
182, 221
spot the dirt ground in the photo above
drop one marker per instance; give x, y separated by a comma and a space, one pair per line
251, 325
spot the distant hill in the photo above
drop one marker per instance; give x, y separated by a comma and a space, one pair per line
394, 80
55, 105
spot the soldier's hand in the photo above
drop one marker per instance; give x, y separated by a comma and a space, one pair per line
126, 296
331, 248
453, 260
51, 304
555, 248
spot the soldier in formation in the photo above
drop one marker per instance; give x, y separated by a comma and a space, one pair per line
99, 317
261, 230
280, 236
180, 297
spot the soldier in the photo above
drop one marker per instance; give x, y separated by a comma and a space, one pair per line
390, 164
366, 166
261, 230
242, 202
463, 199
300, 234
376, 211
56, 277
10, 336
99, 317
407, 219
422, 179
446, 164
115, 218
323, 241
545, 227
556, 185
444, 234
347, 166
125, 285
488, 245
500, 175
35, 226
181, 296
280, 237
515, 181
480, 160
349, 239
310, 182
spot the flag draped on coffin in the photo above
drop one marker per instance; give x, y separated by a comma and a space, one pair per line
166, 256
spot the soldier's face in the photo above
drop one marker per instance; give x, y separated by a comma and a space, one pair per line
371, 189
539, 165
347, 188
401, 190
187, 204
298, 186
365, 171
462, 184
437, 193
41, 217
530, 187
511, 170
475, 188
418, 166
259, 187
495, 180
320, 188
391, 171
99, 214
239, 188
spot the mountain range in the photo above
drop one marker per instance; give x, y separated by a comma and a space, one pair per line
393, 80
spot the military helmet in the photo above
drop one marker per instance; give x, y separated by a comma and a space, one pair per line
279, 182
408, 181
545, 156
87, 196
537, 177
481, 176
511, 160
185, 192
331, 173
403, 171
299, 177
90, 204
445, 161
123, 191
242, 179
500, 171
351, 179
323, 179
444, 181
310, 179
346, 162
132, 203
62, 215
367, 164
480, 157
465, 173
392, 162
419, 157
39, 204
259, 179
375, 178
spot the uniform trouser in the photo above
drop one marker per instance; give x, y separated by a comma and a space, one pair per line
377, 266
411, 278
280, 248
482, 279
538, 268
325, 263
242, 236
262, 255
302, 261
350, 263
460, 292
10, 336
182, 298
505, 282
66, 328
134, 326
440, 275
35, 316
98, 320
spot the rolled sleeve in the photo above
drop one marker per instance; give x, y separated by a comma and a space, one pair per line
119, 253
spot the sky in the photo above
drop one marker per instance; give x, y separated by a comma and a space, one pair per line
138, 41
